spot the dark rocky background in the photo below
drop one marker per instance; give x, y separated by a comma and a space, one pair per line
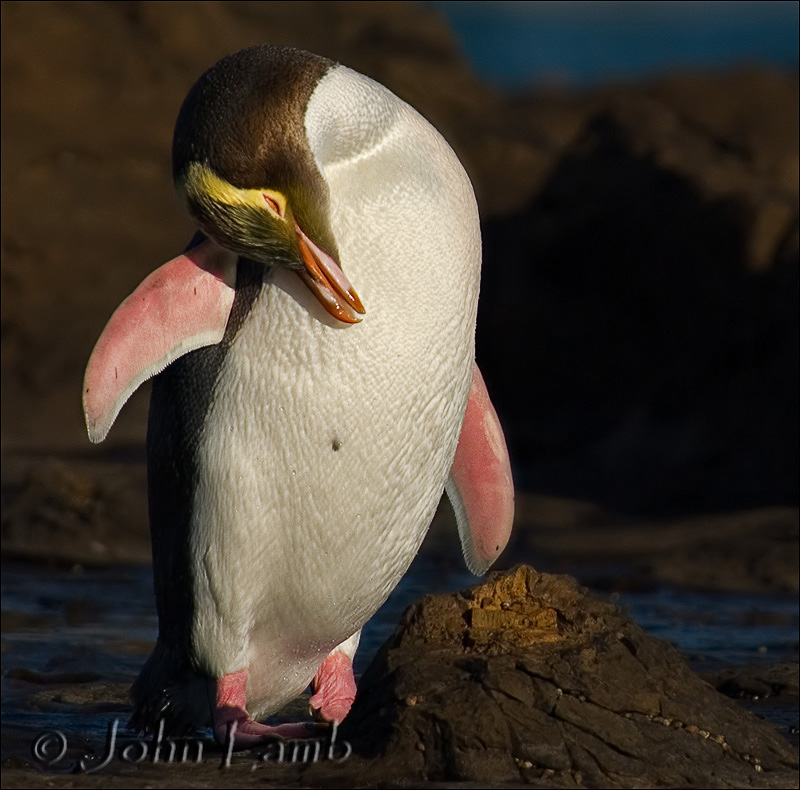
638, 326
639, 315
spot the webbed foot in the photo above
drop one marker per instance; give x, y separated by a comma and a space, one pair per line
231, 719
334, 684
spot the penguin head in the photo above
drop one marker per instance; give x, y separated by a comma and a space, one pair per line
245, 171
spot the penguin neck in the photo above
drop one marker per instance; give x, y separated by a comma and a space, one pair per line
401, 207
348, 117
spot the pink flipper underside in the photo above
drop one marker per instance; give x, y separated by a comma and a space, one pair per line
480, 486
183, 305
230, 705
334, 688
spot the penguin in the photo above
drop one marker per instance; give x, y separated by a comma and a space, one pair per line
314, 389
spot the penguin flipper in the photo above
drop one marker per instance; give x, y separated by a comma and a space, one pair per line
183, 305
480, 486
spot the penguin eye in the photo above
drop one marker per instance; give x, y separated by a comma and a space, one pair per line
274, 206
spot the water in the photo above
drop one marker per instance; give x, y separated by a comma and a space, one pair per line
729, 628
99, 625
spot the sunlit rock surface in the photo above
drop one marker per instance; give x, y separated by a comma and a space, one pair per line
528, 677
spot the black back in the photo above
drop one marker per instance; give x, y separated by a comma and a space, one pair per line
245, 120
179, 403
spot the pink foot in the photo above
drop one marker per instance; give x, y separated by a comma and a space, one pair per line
231, 719
334, 688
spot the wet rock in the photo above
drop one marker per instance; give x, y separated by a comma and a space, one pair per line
22, 621
58, 494
758, 681
87, 698
51, 678
527, 677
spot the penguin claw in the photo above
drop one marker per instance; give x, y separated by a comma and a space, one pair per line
334, 688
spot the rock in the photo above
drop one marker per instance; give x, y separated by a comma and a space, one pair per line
750, 551
638, 328
651, 286
98, 141
89, 698
757, 681
67, 512
747, 110
759, 553
527, 677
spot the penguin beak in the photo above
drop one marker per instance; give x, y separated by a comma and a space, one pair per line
327, 282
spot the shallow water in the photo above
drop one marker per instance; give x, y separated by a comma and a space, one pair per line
98, 625
728, 628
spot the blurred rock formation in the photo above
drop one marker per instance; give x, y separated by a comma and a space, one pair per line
639, 318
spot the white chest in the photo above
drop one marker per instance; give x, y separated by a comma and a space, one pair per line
327, 447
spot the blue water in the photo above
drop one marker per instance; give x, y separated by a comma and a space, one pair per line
713, 627
101, 623
583, 44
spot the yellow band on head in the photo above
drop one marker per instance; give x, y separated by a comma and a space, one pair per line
200, 182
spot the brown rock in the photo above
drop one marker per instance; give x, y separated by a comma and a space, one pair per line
90, 96
638, 327
749, 551
71, 512
758, 681
556, 686
647, 295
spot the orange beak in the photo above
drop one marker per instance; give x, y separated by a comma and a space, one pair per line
327, 282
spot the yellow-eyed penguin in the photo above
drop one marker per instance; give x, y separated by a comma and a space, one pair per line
314, 353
